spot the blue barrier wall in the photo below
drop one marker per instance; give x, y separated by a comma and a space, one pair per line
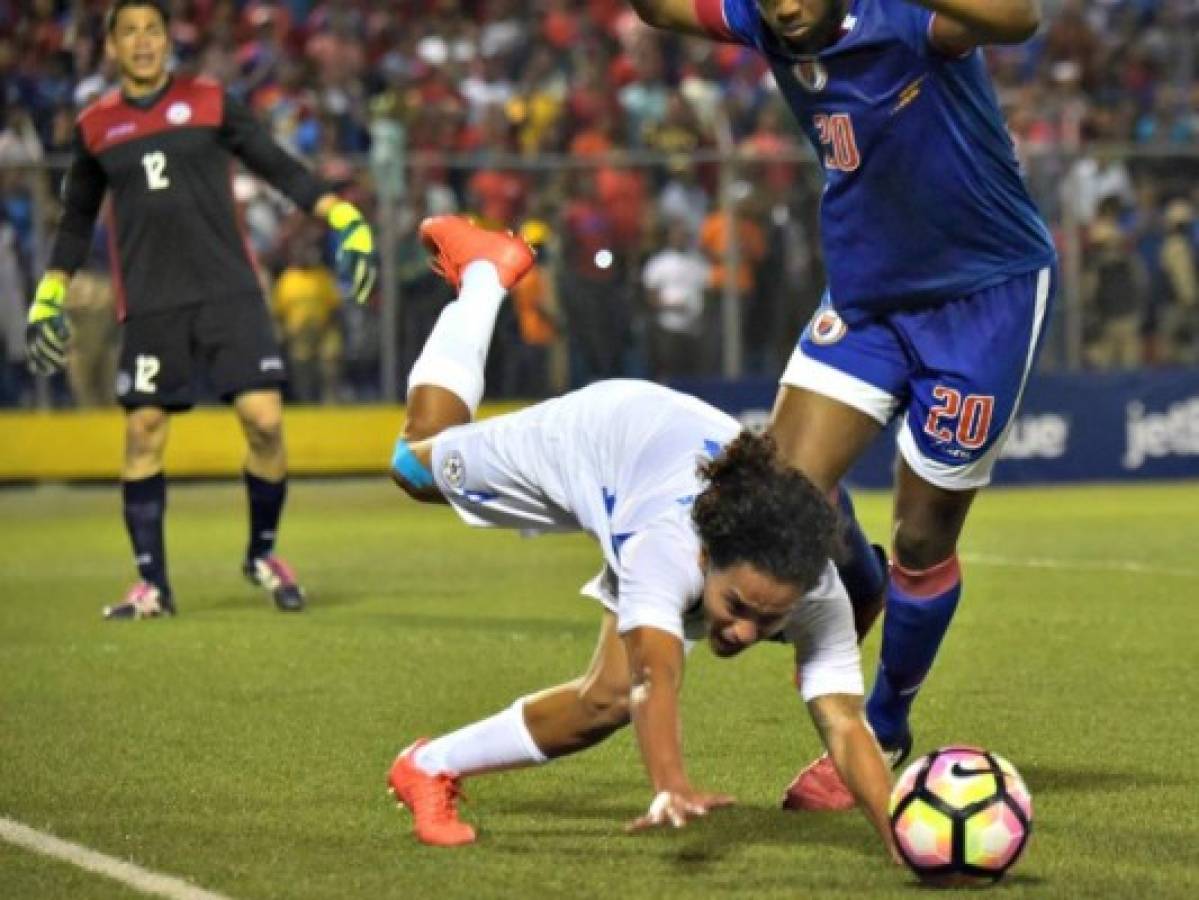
1092, 427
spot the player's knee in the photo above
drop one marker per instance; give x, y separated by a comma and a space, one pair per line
264, 432
145, 432
927, 529
420, 426
605, 705
917, 548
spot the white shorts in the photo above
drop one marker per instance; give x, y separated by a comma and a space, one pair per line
494, 474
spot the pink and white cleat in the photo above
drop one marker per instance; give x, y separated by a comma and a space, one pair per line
142, 601
274, 575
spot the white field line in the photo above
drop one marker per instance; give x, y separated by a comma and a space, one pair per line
1080, 565
127, 873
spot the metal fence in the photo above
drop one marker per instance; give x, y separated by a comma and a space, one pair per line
742, 275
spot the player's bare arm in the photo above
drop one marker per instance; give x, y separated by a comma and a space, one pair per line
962, 25
671, 15
656, 671
857, 756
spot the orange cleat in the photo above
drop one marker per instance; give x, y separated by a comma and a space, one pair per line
433, 800
455, 242
819, 788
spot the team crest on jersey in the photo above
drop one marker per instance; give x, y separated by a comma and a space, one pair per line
812, 74
453, 470
179, 113
828, 327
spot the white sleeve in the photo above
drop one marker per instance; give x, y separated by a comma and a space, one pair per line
822, 630
658, 575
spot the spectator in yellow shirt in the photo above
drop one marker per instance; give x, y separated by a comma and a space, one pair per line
305, 304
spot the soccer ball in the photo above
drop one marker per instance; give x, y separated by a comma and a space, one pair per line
960, 815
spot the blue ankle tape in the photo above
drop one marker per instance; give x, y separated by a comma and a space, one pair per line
405, 464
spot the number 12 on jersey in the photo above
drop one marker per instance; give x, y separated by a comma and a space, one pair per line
155, 164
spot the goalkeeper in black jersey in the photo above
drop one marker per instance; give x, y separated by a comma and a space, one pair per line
162, 148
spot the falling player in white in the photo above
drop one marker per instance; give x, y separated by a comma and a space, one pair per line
704, 533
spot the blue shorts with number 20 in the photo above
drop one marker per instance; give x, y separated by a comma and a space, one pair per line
956, 371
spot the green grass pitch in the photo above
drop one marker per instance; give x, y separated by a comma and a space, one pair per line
245, 750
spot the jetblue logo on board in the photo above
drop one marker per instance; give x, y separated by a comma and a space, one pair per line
1044, 436
1174, 432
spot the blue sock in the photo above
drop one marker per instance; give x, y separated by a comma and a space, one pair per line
145, 504
861, 571
920, 606
266, 506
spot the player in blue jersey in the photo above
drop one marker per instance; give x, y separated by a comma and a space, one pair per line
941, 273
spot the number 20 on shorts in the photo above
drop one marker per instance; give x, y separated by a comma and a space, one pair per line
966, 418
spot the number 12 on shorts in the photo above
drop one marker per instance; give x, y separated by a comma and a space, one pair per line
145, 370
966, 418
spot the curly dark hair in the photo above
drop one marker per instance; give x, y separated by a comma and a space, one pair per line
756, 509
110, 18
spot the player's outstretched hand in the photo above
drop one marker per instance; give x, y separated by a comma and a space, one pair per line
46, 329
675, 808
356, 259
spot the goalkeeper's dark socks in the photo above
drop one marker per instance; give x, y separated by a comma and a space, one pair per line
920, 606
145, 503
266, 506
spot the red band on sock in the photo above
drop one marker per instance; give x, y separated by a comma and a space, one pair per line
925, 584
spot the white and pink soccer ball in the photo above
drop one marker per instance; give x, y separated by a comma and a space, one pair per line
961, 815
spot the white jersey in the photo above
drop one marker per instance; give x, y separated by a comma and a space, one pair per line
619, 460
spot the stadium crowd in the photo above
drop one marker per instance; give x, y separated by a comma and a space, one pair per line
603, 139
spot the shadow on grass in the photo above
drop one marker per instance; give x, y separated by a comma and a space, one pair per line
1063, 780
1018, 881
594, 799
704, 843
769, 825
485, 624
253, 598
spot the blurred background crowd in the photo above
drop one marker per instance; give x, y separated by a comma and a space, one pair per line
668, 192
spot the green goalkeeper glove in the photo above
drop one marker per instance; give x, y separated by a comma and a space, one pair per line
356, 260
46, 329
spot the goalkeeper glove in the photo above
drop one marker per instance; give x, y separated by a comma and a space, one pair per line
46, 329
356, 260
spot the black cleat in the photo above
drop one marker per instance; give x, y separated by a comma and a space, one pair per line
897, 754
272, 574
